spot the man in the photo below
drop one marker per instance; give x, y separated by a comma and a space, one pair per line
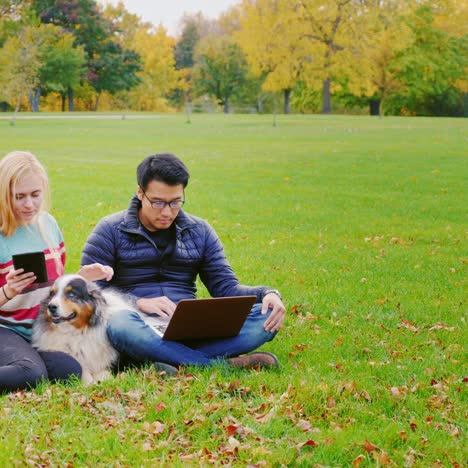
157, 251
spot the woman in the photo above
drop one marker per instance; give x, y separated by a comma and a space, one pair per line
26, 226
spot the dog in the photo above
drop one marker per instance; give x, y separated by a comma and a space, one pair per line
73, 319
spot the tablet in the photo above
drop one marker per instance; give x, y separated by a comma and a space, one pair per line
32, 262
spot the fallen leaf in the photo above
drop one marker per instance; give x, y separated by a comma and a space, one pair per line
308, 443
382, 458
160, 407
369, 446
408, 325
357, 461
264, 418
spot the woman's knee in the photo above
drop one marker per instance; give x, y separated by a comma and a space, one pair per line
61, 366
29, 373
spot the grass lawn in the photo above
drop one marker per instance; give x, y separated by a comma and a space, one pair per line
359, 221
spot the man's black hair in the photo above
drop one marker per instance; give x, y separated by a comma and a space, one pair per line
164, 167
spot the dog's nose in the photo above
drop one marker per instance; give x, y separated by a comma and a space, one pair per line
52, 309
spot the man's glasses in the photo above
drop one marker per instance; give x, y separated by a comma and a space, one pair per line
160, 204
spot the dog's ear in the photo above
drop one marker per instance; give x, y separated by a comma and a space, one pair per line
45, 302
99, 302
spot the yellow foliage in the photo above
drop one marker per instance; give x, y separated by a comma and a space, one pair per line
159, 75
383, 35
269, 40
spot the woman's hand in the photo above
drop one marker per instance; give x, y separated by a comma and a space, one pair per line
17, 280
96, 271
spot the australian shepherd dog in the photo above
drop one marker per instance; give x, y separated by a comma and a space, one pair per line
73, 319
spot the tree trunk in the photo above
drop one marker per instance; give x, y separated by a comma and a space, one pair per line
71, 102
188, 107
287, 101
3, 106
259, 105
96, 106
326, 98
62, 95
13, 120
226, 106
374, 107
34, 99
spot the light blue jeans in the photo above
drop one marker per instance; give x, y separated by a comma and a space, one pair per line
132, 337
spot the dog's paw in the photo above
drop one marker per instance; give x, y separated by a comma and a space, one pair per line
101, 376
86, 377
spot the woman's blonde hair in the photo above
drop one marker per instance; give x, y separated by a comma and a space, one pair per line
13, 167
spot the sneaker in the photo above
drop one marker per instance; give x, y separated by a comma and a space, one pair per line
259, 360
167, 369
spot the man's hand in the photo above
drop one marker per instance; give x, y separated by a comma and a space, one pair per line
96, 271
161, 306
274, 322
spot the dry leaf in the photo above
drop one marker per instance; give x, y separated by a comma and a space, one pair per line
357, 461
369, 446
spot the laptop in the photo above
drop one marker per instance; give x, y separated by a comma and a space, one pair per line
197, 319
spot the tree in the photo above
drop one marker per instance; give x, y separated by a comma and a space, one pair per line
124, 25
194, 27
330, 29
269, 40
62, 64
19, 67
372, 74
221, 68
80, 17
184, 51
158, 75
83, 19
114, 70
433, 67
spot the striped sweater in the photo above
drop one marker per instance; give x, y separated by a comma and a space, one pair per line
19, 313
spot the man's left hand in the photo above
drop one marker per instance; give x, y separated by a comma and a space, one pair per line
274, 322
96, 271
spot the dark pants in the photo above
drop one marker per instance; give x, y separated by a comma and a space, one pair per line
23, 367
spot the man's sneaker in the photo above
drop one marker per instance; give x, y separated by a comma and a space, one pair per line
166, 368
259, 360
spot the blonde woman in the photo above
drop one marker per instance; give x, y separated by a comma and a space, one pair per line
26, 226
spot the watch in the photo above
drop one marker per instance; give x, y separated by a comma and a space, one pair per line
271, 291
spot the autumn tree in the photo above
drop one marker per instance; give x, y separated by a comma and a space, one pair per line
80, 17
110, 66
274, 51
19, 67
194, 27
383, 35
434, 67
157, 76
62, 63
124, 25
221, 68
114, 69
184, 51
330, 30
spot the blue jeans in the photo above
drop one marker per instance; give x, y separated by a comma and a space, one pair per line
130, 335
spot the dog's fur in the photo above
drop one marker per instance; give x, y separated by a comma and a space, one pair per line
73, 319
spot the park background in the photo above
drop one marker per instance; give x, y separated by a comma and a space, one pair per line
360, 221
395, 57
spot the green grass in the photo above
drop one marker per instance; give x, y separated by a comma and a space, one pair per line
360, 222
